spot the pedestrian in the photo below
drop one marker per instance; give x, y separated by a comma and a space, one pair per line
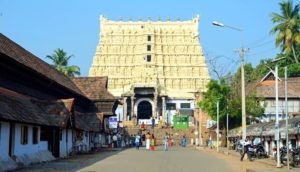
115, 138
137, 142
143, 126
169, 140
210, 142
153, 122
152, 144
166, 139
183, 141
246, 144
148, 137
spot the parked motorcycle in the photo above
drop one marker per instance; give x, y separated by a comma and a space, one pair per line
283, 155
255, 151
295, 156
259, 151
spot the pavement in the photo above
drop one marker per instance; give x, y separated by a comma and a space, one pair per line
257, 165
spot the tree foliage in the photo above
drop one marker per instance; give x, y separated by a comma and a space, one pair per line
216, 92
287, 28
60, 61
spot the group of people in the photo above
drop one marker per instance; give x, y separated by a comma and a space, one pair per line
150, 141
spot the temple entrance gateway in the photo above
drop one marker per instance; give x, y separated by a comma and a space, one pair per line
144, 110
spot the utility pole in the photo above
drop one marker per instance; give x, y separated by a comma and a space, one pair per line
227, 145
218, 126
242, 54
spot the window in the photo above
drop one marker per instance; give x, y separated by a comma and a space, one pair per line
148, 47
185, 105
43, 134
149, 38
35, 135
24, 135
148, 58
171, 106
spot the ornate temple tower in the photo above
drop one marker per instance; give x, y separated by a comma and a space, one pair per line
156, 67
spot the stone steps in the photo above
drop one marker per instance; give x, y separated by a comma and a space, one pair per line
159, 133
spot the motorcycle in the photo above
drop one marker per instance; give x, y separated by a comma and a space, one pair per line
295, 156
282, 155
260, 151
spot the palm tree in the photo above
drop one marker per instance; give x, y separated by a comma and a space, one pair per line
288, 26
60, 61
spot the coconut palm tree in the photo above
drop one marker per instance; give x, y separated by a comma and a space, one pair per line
288, 27
60, 61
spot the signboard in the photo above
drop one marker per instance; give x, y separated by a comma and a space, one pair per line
113, 122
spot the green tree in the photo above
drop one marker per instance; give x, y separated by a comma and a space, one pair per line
215, 92
253, 109
60, 61
288, 26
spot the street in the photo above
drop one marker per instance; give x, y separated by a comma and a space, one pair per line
131, 160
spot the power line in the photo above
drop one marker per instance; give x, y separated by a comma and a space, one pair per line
258, 41
262, 52
262, 44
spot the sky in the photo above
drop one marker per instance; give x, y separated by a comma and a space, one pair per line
73, 25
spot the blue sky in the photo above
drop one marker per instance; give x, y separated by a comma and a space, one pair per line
43, 26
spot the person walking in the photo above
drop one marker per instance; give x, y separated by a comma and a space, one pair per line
246, 144
169, 140
153, 122
166, 139
137, 142
152, 144
115, 138
148, 138
143, 126
183, 141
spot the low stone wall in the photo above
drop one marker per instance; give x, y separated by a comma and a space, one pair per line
25, 160
7, 164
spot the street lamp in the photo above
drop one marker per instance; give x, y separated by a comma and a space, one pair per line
241, 53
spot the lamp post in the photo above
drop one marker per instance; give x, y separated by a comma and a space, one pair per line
241, 53
277, 108
286, 116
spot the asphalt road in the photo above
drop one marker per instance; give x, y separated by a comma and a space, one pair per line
175, 160
132, 160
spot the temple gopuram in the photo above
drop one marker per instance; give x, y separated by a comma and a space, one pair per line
155, 67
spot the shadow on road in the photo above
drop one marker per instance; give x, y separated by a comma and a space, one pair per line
74, 163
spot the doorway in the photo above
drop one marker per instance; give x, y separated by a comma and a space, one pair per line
144, 110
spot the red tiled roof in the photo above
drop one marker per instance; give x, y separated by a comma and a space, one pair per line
88, 121
95, 88
20, 108
267, 88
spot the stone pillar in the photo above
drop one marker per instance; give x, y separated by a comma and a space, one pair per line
124, 108
154, 113
163, 108
132, 106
